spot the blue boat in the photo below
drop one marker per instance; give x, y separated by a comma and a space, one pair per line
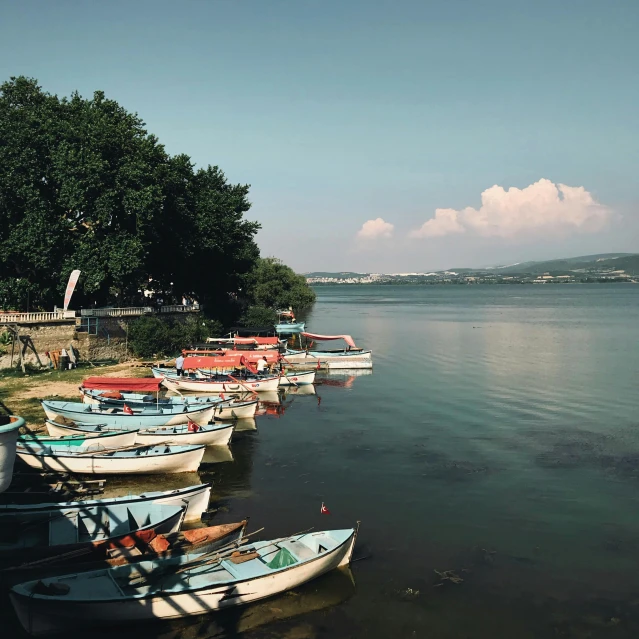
100, 440
125, 415
192, 584
27, 536
287, 324
196, 498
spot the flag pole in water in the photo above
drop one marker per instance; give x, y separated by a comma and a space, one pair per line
324, 510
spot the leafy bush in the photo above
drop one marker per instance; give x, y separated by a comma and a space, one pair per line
150, 335
274, 285
258, 316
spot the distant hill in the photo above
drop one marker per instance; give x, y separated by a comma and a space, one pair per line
628, 262
602, 262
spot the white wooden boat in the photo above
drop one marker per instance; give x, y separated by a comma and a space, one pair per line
181, 586
182, 434
140, 460
322, 594
349, 357
194, 498
216, 434
37, 535
301, 378
224, 408
150, 542
236, 409
115, 416
209, 435
79, 439
9, 431
328, 360
222, 384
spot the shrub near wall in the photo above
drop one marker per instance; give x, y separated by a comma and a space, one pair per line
152, 336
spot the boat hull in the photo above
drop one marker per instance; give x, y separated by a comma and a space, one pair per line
40, 616
199, 540
302, 378
239, 410
262, 385
223, 409
95, 441
8, 437
290, 329
195, 498
200, 415
167, 520
328, 361
207, 436
183, 461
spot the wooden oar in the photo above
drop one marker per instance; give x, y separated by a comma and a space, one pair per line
218, 555
250, 390
107, 451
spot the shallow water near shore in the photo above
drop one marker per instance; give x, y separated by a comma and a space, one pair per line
497, 438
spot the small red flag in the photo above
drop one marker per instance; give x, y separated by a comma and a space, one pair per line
193, 427
324, 510
127, 410
318, 364
222, 395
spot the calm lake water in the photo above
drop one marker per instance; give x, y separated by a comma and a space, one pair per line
497, 437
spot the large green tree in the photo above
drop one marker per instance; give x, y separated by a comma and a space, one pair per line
274, 285
84, 185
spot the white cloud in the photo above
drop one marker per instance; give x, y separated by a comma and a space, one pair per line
445, 222
543, 208
374, 229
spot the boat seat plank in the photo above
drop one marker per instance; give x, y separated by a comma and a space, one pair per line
63, 529
299, 550
246, 570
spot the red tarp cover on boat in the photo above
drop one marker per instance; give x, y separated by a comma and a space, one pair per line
131, 384
261, 341
230, 359
325, 338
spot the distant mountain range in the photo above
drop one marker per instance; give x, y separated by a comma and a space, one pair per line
628, 262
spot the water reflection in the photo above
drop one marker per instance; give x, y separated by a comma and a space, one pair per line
216, 455
329, 590
121, 485
343, 378
233, 480
300, 391
243, 425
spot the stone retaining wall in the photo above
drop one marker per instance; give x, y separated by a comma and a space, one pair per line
109, 343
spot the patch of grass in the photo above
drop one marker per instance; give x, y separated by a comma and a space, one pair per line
14, 385
32, 412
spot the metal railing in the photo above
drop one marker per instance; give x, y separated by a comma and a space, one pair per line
129, 311
180, 308
116, 312
36, 317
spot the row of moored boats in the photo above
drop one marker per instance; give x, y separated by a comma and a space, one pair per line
127, 559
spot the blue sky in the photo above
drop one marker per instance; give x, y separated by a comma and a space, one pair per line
343, 112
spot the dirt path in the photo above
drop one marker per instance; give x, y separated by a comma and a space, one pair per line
23, 394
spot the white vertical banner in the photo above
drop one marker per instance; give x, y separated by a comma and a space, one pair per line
73, 280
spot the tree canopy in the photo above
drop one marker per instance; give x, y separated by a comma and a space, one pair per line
274, 285
84, 185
